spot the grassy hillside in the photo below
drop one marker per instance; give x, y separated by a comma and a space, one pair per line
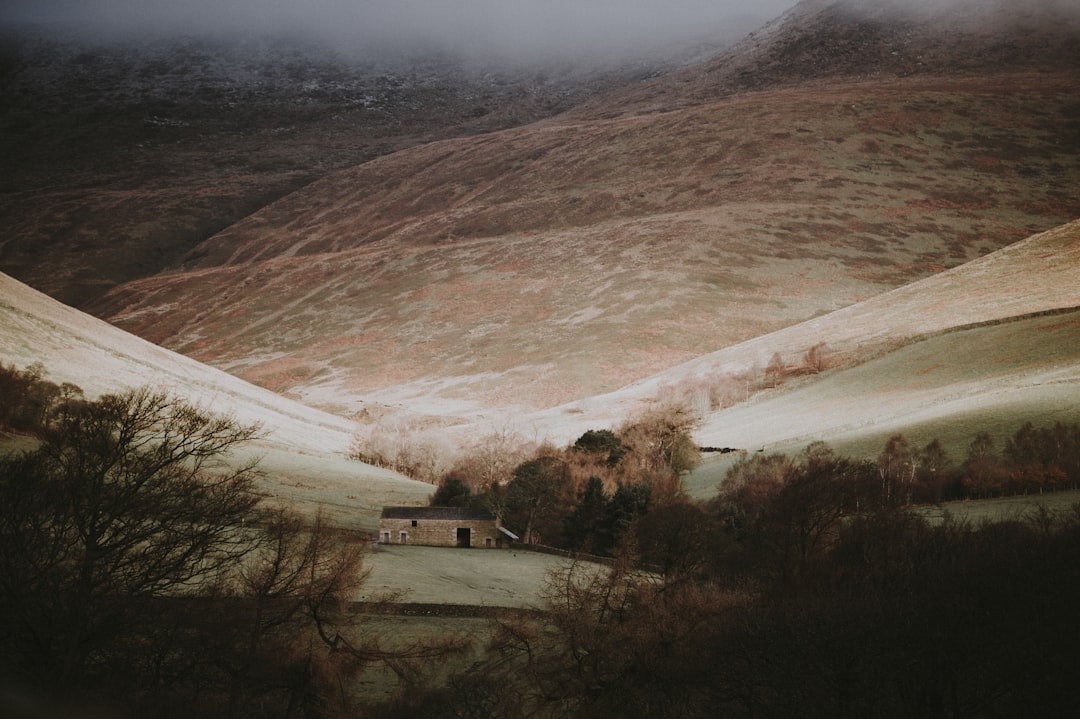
843, 150
638, 248
949, 386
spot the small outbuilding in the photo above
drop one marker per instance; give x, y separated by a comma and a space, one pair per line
443, 527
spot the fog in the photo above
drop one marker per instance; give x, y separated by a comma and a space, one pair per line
502, 26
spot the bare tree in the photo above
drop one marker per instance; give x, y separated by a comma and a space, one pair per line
897, 466
816, 358
983, 473
661, 439
775, 371
789, 510
491, 461
126, 499
280, 614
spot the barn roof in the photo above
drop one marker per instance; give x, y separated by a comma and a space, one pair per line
446, 513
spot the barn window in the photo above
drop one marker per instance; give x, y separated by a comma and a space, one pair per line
414, 523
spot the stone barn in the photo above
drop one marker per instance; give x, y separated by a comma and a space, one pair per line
443, 527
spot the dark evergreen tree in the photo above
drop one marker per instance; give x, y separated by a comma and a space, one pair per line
453, 491
536, 499
585, 528
629, 503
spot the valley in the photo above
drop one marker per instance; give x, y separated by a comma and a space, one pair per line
773, 342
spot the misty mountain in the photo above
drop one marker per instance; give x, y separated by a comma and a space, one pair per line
123, 153
876, 40
522, 31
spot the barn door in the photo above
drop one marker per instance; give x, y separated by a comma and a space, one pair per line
464, 537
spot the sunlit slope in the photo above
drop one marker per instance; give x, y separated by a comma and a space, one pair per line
303, 449
949, 387
969, 339
1035, 275
77, 348
1026, 369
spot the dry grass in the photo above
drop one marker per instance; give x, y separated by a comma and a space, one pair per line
120, 158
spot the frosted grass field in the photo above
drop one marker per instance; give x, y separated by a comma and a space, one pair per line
447, 575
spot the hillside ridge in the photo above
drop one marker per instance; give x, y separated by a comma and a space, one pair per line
539, 267
1037, 278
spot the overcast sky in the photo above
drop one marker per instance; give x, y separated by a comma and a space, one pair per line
498, 24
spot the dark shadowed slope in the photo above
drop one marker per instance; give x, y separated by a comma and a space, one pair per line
820, 41
122, 154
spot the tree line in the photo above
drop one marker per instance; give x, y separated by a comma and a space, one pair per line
807, 587
29, 400
587, 496
1031, 460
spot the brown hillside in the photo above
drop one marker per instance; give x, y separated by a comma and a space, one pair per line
544, 264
